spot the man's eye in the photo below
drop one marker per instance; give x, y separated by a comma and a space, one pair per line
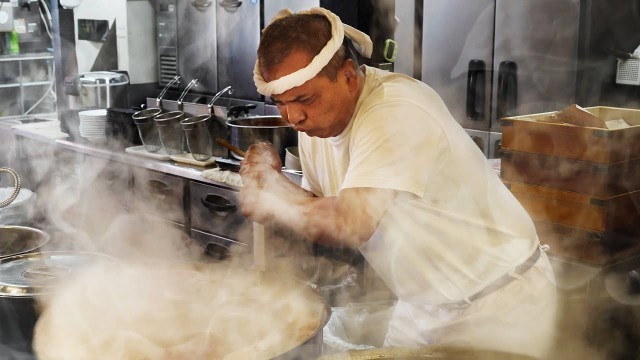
306, 101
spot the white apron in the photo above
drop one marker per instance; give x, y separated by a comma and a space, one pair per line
518, 318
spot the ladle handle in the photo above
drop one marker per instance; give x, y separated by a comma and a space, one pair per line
191, 84
226, 144
166, 88
219, 93
16, 187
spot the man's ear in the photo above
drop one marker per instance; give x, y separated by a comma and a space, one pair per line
351, 73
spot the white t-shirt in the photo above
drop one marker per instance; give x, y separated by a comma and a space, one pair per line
456, 227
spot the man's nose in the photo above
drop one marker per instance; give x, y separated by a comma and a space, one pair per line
295, 114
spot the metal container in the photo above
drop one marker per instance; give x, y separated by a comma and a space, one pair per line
147, 128
23, 279
434, 352
170, 131
199, 132
103, 89
16, 240
244, 132
193, 292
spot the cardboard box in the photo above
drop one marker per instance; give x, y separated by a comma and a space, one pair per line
536, 134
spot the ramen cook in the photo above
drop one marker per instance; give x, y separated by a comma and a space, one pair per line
388, 170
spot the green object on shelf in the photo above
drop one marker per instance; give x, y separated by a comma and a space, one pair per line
14, 44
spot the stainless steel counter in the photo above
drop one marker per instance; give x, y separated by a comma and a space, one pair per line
48, 132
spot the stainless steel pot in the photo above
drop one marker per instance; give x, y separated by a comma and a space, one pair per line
16, 240
243, 132
427, 353
103, 89
23, 280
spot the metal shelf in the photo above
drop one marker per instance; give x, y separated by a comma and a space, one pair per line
32, 83
22, 71
26, 57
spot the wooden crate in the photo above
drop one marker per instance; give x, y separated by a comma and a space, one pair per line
528, 134
591, 247
580, 210
600, 180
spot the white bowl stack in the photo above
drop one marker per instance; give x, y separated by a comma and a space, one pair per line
93, 124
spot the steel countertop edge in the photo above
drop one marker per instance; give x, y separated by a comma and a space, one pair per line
165, 166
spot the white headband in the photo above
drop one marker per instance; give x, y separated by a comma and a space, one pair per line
362, 43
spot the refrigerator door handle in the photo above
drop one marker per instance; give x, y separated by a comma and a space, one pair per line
476, 90
507, 89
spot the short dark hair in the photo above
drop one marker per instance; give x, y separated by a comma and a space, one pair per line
302, 32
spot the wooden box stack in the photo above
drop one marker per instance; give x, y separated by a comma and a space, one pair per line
580, 182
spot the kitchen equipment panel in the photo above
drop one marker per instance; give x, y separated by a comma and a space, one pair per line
217, 247
160, 195
481, 138
495, 145
507, 57
197, 48
238, 35
216, 210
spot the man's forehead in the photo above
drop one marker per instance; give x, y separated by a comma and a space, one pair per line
291, 95
293, 62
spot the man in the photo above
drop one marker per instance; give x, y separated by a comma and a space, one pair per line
388, 171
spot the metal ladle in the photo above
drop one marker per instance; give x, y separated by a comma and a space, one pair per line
16, 187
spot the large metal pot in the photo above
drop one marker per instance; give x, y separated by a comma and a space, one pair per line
24, 279
427, 353
98, 89
208, 311
16, 240
245, 131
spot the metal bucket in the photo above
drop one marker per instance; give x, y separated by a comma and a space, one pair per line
24, 279
244, 132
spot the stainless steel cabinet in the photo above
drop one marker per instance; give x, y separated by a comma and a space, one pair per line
494, 58
159, 194
197, 50
216, 210
238, 29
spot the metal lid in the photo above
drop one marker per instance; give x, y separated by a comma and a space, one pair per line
37, 273
15, 240
103, 78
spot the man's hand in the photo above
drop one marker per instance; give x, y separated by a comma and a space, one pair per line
260, 171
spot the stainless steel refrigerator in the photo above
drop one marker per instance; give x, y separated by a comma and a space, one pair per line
494, 58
